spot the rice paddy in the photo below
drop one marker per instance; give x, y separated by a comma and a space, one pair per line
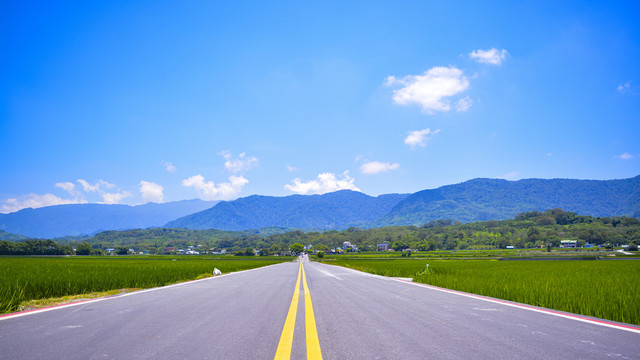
29, 278
605, 289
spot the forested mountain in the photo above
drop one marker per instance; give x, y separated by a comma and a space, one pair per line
87, 219
473, 200
9, 236
337, 210
495, 199
470, 201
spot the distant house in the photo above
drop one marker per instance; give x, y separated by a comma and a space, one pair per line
347, 245
568, 243
383, 247
510, 247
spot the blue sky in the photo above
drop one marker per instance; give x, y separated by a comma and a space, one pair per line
130, 102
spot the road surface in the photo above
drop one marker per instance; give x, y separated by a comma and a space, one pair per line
336, 313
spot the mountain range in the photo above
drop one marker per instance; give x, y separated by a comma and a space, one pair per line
497, 199
473, 200
88, 219
335, 210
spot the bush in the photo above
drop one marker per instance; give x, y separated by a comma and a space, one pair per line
320, 254
84, 249
246, 252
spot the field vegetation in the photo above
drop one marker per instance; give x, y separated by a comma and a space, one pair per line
28, 278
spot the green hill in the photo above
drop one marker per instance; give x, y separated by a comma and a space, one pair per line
495, 199
337, 210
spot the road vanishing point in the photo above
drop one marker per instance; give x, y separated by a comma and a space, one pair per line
308, 310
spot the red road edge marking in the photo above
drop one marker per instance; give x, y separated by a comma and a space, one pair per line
529, 307
72, 303
50, 307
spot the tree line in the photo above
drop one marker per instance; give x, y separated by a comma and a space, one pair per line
526, 230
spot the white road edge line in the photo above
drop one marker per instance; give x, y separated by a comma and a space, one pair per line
527, 307
89, 301
606, 323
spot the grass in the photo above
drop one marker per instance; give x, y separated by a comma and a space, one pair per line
603, 289
488, 254
41, 303
31, 278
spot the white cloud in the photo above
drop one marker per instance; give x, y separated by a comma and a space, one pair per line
624, 87
151, 192
114, 198
420, 137
66, 186
87, 187
107, 197
36, 201
464, 104
509, 176
291, 168
625, 156
210, 191
431, 89
78, 192
376, 167
169, 167
70, 188
325, 182
241, 163
492, 56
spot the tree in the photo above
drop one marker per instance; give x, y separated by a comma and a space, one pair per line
84, 249
399, 246
321, 247
296, 248
121, 250
320, 254
533, 234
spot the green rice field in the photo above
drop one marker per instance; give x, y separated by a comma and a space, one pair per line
28, 278
605, 289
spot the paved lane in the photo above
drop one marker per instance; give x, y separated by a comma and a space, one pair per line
357, 316
236, 316
362, 316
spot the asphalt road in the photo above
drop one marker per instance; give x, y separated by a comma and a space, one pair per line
357, 316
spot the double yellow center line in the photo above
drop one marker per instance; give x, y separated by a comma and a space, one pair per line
286, 339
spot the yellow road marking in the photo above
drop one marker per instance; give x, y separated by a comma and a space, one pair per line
286, 339
313, 343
